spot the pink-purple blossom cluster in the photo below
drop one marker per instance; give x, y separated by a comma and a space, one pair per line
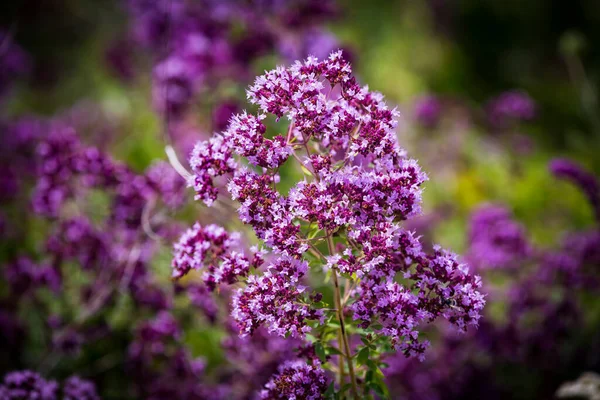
211, 248
158, 359
26, 384
361, 187
275, 299
496, 240
196, 47
428, 111
296, 380
509, 107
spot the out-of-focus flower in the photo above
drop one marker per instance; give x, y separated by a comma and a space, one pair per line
496, 240
76, 388
428, 111
27, 385
510, 107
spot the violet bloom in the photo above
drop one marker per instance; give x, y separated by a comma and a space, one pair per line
24, 275
428, 111
167, 183
275, 298
76, 388
495, 240
154, 19
161, 366
20, 385
584, 180
256, 358
213, 247
315, 42
174, 87
296, 380
223, 113
363, 196
509, 107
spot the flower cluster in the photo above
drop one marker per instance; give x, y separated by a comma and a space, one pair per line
30, 385
203, 48
509, 107
211, 247
76, 388
102, 222
359, 190
427, 111
275, 299
24, 275
441, 286
27, 385
157, 358
496, 240
296, 380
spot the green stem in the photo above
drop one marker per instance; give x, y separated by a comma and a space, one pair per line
340, 313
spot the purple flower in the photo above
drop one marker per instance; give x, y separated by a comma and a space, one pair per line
223, 113
496, 240
174, 87
314, 42
21, 385
296, 380
76, 388
24, 275
56, 170
275, 299
210, 159
509, 107
428, 111
358, 189
210, 247
167, 183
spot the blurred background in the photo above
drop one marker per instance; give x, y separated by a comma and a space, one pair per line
490, 92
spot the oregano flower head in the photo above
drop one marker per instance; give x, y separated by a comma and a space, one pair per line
344, 217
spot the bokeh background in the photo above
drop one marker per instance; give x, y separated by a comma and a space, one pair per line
490, 93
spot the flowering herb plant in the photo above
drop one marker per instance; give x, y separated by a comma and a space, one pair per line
341, 224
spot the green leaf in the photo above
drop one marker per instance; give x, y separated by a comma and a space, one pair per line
311, 338
329, 393
363, 355
320, 351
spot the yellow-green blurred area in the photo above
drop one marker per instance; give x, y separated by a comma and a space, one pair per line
469, 50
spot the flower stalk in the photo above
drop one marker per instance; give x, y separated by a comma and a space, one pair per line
342, 332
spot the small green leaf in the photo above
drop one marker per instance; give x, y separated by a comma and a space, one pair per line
363, 356
320, 351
